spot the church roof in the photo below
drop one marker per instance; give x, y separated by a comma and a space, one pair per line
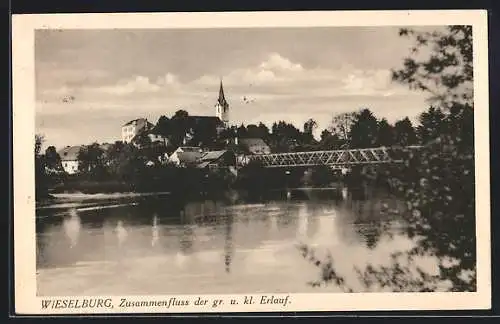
204, 120
222, 99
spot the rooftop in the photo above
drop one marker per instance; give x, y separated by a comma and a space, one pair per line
69, 153
134, 120
189, 157
204, 119
212, 155
189, 149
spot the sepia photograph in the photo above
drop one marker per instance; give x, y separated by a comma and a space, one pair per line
255, 160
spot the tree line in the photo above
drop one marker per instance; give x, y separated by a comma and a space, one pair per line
438, 183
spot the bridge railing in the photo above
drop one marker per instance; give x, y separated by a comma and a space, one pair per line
344, 157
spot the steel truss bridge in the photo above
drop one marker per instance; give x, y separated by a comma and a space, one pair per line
336, 159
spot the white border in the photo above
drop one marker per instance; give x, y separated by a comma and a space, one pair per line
23, 27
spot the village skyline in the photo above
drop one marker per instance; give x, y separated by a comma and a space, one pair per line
85, 91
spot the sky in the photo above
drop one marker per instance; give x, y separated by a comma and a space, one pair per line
90, 82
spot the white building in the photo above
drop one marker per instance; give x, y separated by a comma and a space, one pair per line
134, 127
69, 158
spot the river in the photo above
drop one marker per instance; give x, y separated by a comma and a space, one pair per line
130, 244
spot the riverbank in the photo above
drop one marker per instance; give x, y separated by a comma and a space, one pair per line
92, 187
64, 200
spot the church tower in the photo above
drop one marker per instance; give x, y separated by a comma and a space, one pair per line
222, 107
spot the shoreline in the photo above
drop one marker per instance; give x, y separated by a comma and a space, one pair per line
56, 198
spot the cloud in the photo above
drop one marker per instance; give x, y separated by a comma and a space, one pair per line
275, 69
51, 77
277, 62
280, 76
139, 84
276, 75
275, 89
168, 79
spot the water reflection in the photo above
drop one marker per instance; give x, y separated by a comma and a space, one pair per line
228, 243
121, 233
155, 234
72, 225
174, 248
303, 224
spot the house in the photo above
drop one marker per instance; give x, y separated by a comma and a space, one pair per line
135, 127
217, 160
186, 155
254, 146
69, 158
248, 146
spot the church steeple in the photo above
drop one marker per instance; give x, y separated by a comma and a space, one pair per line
222, 99
222, 107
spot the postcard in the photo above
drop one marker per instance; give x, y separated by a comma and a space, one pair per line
232, 162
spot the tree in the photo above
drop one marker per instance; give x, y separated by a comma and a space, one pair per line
126, 161
39, 139
180, 114
341, 125
385, 133
227, 134
41, 185
329, 141
204, 133
257, 131
432, 123
253, 131
163, 126
447, 72
142, 140
178, 127
404, 132
364, 130
285, 137
112, 157
438, 183
241, 131
91, 158
263, 131
309, 126
324, 135
52, 158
